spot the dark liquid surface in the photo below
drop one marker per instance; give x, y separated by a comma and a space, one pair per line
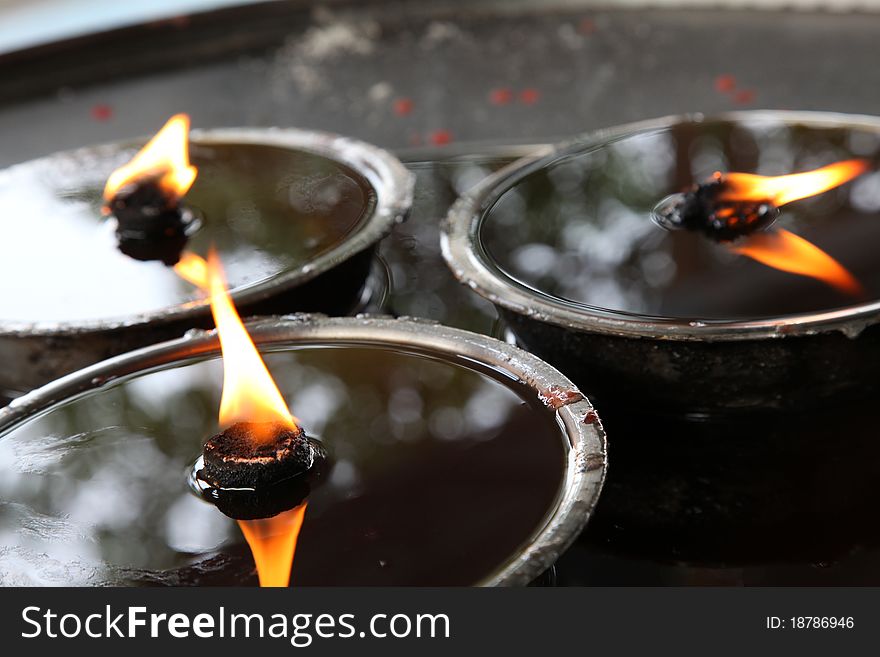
266, 209
581, 230
439, 473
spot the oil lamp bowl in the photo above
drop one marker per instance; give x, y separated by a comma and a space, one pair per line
302, 212
563, 243
442, 499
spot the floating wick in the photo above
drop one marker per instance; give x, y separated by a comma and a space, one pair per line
702, 209
240, 457
144, 195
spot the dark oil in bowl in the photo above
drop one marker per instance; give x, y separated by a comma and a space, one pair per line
267, 209
440, 472
580, 229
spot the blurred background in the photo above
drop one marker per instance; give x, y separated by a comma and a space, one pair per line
416, 74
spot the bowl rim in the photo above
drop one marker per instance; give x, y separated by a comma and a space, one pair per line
472, 266
391, 182
581, 431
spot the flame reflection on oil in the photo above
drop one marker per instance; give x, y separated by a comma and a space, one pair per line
273, 544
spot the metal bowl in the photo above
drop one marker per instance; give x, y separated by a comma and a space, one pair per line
743, 490
330, 282
580, 432
669, 363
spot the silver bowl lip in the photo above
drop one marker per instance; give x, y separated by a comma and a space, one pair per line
586, 459
392, 183
472, 266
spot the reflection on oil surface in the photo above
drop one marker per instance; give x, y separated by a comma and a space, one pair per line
580, 229
267, 209
438, 474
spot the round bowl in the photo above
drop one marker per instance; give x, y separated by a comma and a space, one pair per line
121, 434
683, 361
295, 215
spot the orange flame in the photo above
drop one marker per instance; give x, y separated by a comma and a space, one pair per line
786, 251
193, 269
166, 157
249, 393
780, 190
273, 544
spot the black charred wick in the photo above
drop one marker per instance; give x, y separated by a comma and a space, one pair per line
240, 457
701, 210
248, 477
151, 222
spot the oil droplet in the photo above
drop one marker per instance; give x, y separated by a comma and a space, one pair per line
852, 330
